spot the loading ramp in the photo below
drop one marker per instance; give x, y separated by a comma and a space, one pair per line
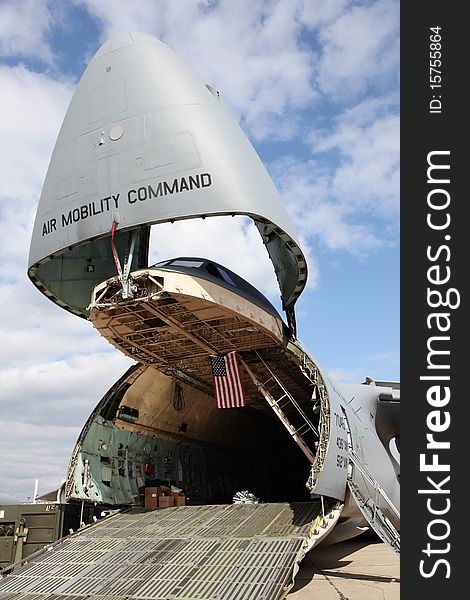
215, 552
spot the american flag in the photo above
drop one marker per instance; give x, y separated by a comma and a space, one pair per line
228, 387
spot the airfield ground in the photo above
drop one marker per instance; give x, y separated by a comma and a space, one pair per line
359, 569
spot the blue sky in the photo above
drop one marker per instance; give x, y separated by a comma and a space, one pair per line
315, 86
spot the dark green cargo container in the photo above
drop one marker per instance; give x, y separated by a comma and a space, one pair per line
26, 528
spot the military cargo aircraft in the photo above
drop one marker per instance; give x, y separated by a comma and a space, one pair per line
145, 141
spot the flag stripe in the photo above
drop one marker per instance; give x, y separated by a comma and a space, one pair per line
230, 380
233, 367
227, 381
234, 379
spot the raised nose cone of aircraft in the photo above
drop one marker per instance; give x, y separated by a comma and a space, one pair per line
145, 140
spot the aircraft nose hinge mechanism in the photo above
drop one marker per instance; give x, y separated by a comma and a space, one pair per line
128, 289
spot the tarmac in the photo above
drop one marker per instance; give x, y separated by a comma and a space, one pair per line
360, 569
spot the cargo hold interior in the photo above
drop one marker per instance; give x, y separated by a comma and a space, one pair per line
153, 430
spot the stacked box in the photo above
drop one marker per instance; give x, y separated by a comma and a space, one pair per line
160, 496
179, 499
151, 497
165, 501
151, 502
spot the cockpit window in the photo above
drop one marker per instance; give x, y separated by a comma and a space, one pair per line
226, 277
213, 270
186, 263
220, 273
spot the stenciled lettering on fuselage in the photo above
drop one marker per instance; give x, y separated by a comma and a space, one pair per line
183, 184
135, 195
342, 459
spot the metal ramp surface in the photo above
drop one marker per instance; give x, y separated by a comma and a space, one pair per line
222, 552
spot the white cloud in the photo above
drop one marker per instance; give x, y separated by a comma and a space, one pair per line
384, 356
16, 219
307, 191
316, 13
62, 392
35, 330
139, 15
376, 366
360, 49
32, 452
366, 137
24, 27
33, 106
350, 202
348, 375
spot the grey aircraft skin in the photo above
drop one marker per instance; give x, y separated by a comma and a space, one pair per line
146, 141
